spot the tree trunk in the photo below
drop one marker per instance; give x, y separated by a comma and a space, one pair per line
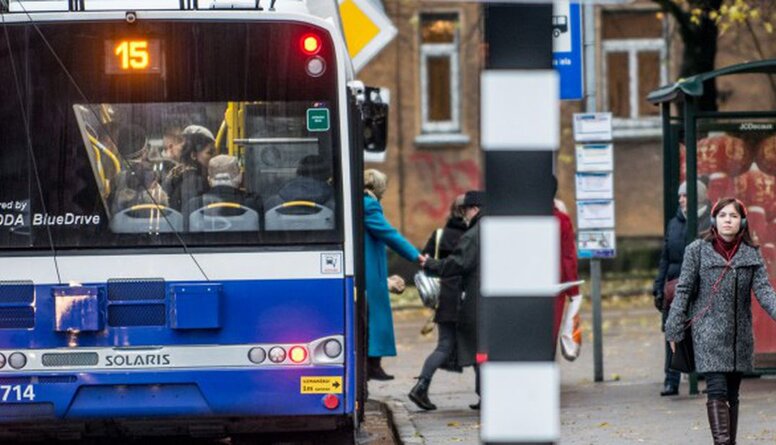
700, 50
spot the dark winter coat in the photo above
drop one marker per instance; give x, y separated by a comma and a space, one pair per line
722, 334
673, 248
184, 183
464, 262
450, 293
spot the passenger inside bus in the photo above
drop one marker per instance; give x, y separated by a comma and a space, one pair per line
306, 202
188, 179
137, 183
310, 184
168, 156
225, 202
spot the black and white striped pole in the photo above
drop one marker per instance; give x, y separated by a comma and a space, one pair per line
519, 236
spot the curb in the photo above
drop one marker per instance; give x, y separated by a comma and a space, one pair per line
406, 432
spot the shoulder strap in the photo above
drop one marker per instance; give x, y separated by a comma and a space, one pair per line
436, 243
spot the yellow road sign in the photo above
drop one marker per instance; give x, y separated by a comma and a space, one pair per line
367, 30
321, 385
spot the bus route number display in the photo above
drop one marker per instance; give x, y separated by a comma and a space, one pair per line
133, 56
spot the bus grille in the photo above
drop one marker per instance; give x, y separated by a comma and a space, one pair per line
70, 359
17, 317
137, 315
38, 379
17, 292
136, 289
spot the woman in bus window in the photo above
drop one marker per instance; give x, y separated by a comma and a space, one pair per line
719, 273
189, 179
378, 234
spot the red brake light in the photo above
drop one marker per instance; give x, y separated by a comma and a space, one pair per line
311, 44
297, 354
330, 401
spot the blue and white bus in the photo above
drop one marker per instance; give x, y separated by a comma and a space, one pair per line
224, 303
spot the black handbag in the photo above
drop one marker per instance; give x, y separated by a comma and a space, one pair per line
683, 359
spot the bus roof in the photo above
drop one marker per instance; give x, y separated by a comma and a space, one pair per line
313, 10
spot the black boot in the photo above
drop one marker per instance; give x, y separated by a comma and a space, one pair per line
375, 371
669, 390
733, 423
419, 395
719, 421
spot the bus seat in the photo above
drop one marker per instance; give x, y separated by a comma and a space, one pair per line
299, 215
223, 217
147, 218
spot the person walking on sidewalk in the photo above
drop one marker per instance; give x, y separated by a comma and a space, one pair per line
378, 234
718, 276
669, 268
464, 262
446, 315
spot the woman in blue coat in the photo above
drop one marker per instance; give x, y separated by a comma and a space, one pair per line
378, 234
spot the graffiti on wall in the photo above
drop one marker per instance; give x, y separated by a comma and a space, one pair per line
446, 181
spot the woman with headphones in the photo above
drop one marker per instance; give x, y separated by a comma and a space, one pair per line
713, 297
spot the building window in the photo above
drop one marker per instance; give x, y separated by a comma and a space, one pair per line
634, 62
440, 78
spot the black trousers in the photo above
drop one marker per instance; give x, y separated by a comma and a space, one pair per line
723, 386
445, 345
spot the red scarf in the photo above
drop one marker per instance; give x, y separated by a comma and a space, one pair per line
727, 249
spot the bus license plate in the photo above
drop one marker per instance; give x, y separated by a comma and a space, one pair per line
17, 393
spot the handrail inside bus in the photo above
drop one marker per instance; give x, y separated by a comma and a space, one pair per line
104, 149
217, 205
259, 141
299, 204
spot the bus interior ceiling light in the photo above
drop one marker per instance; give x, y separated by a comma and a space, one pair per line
311, 44
298, 354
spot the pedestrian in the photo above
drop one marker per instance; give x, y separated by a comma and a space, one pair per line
464, 262
378, 234
440, 245
719, 273
669, 268
568, 261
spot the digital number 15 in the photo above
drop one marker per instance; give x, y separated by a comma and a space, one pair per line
133, 53
17, 393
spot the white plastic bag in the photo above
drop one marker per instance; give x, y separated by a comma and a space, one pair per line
571, 330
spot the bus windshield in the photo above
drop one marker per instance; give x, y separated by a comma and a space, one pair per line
177, 149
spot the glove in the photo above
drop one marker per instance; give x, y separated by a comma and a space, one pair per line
658, 300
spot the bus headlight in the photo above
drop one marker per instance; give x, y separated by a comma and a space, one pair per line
332, 348
277, 354
2, 361
257, 355
17, 360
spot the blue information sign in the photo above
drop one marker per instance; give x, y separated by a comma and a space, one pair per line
567, 52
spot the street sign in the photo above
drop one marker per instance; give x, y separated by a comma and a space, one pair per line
567, 48
367, 30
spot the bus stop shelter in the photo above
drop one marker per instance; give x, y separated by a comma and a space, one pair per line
734, 153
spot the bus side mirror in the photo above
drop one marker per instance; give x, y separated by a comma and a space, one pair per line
374, 111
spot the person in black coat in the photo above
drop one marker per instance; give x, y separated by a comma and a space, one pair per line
464, 262
671, 265
188, 179
440, 245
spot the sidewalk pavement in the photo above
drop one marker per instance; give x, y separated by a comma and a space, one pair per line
624, 409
